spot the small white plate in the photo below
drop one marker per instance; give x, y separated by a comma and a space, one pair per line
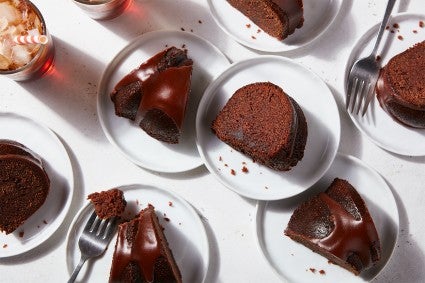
318, 16
183, 229
292, 261
47, 219
377, 124
130, 139
318, 105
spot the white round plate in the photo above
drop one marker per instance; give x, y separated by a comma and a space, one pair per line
318, 105
47, 219
292, 261
183, 229
130, 139
377, 124
318, 16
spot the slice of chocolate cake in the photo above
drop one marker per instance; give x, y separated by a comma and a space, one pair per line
401, 87
263, 122
142, 253
24, 185
278, 18
108, 203
337, 225
158, 92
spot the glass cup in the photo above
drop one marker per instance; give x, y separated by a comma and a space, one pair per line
26, 47
103, 9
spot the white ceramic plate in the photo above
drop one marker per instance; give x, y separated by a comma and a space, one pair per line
318, 16
184, 231
130, 139
292, 261
377, 124
322, 116
47, 219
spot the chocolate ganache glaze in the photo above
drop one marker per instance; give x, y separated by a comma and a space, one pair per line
157, 92
350, 235
142, 253
337, 225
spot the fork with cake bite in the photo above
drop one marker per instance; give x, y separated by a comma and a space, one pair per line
364, 73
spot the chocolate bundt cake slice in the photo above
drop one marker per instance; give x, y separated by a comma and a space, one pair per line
158, 92
278, 18
337, 225
142, 253
263, 122
24, 185
108, 203
401, 87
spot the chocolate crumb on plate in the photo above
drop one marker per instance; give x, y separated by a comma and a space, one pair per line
400, 37
233, 172
322, 272
21, 234
421, 24
245, 169
4, 246
313, 270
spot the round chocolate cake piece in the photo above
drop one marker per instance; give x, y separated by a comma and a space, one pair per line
401, 87
158, 92
24, 185
263, 122
278, 18
337, 225
108, 203
142, 253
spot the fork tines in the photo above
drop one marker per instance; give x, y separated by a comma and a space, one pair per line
359, 91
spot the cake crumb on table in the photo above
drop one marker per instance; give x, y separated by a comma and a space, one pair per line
313, 270
233, 172
322, 272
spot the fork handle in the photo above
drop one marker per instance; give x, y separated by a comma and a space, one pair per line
384, 23
77, 269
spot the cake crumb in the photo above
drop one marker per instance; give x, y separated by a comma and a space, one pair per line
137, 202
191, 30
392, 31
322, 272
421, 24
167, 219
4, 246
396, 25
220, 158
253, 37
183, 46
182, 29
166, 45
330, 262
21, 234
400, 37
199, 21
378, 58
313, 270
44, 221
233, 172
258, 30
225, 164
387, 27
170, 203
248, 25
245, 169
266, 187
243, 163
415, 31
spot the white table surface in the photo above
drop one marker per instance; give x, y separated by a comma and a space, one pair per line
67, 104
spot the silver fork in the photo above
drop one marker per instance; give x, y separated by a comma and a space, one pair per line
364, 72
93, 241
